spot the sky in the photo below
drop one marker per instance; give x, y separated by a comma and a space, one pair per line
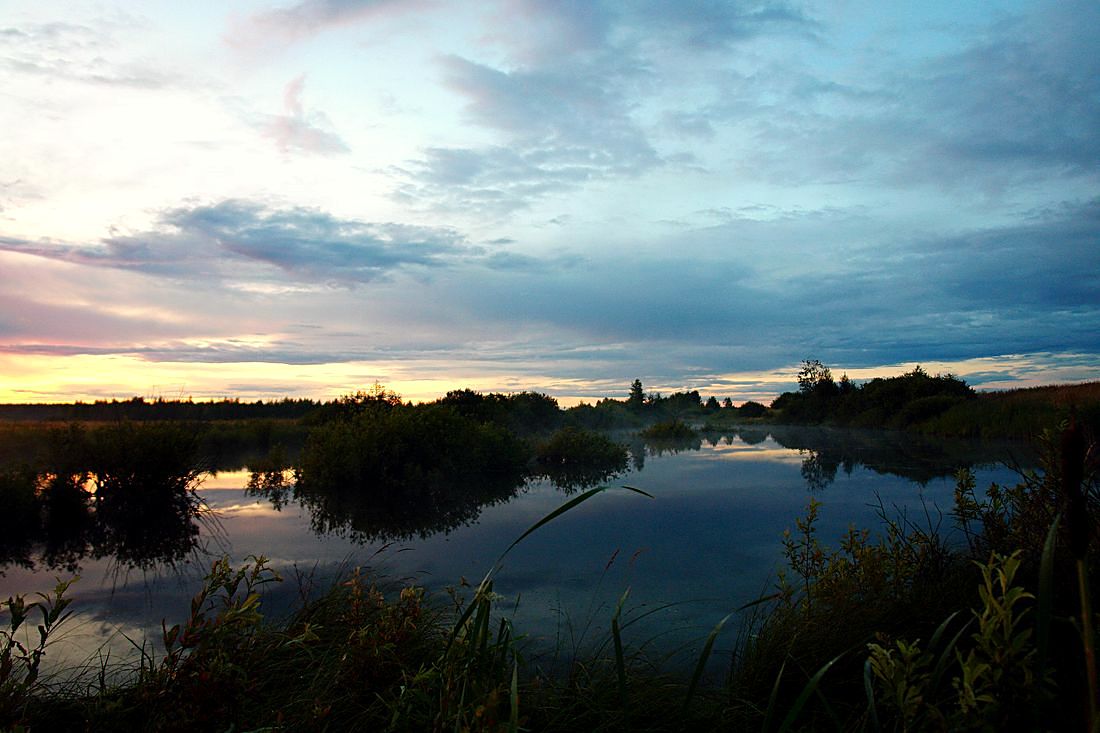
261, 200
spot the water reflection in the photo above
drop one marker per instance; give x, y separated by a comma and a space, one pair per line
387, 511
573, 459
825, 451
129, 494
571, 479
672, 446
415, 510
722, 505
60, 520
817, 471
120, 493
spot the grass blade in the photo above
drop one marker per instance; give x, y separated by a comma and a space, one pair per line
485, 585
773, 697
620, 662
513, 715
1046, 596
941, 630
947, 656
804, 696
580, 498
869, 689
758, 601
703, 657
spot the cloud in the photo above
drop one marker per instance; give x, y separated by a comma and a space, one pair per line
24, 318
752, 294
1011, 106
77, 53
571, 103
1023, 100
495, 181
546, 32
874, 299
561, 128
715, 25
216, 240
227, 351
302, 20
296, 131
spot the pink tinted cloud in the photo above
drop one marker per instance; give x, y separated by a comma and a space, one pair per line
287, 25
295, 131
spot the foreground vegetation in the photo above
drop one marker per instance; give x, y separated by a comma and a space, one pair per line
897, 629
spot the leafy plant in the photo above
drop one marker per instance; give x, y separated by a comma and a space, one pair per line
20, 661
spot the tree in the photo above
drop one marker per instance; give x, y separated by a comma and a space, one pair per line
727, 403
813, 376
712, 403
752, 409
637, 396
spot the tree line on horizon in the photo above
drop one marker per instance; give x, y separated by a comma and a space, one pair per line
941, 404
530, 409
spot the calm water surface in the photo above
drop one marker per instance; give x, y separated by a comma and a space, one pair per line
708, 542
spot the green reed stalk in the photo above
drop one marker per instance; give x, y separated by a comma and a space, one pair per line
1073, 469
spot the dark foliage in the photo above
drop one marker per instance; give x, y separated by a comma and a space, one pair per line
669, 430
140, 409
125, 491
751, 409
522, 412
406, 471
892, 402
574, 459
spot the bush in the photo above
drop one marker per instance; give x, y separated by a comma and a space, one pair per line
574, 459
406, 471
752, 409
669, 430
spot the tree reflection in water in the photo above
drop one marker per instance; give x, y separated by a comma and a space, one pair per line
399, 474
125, 492
825, 451
396, 473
